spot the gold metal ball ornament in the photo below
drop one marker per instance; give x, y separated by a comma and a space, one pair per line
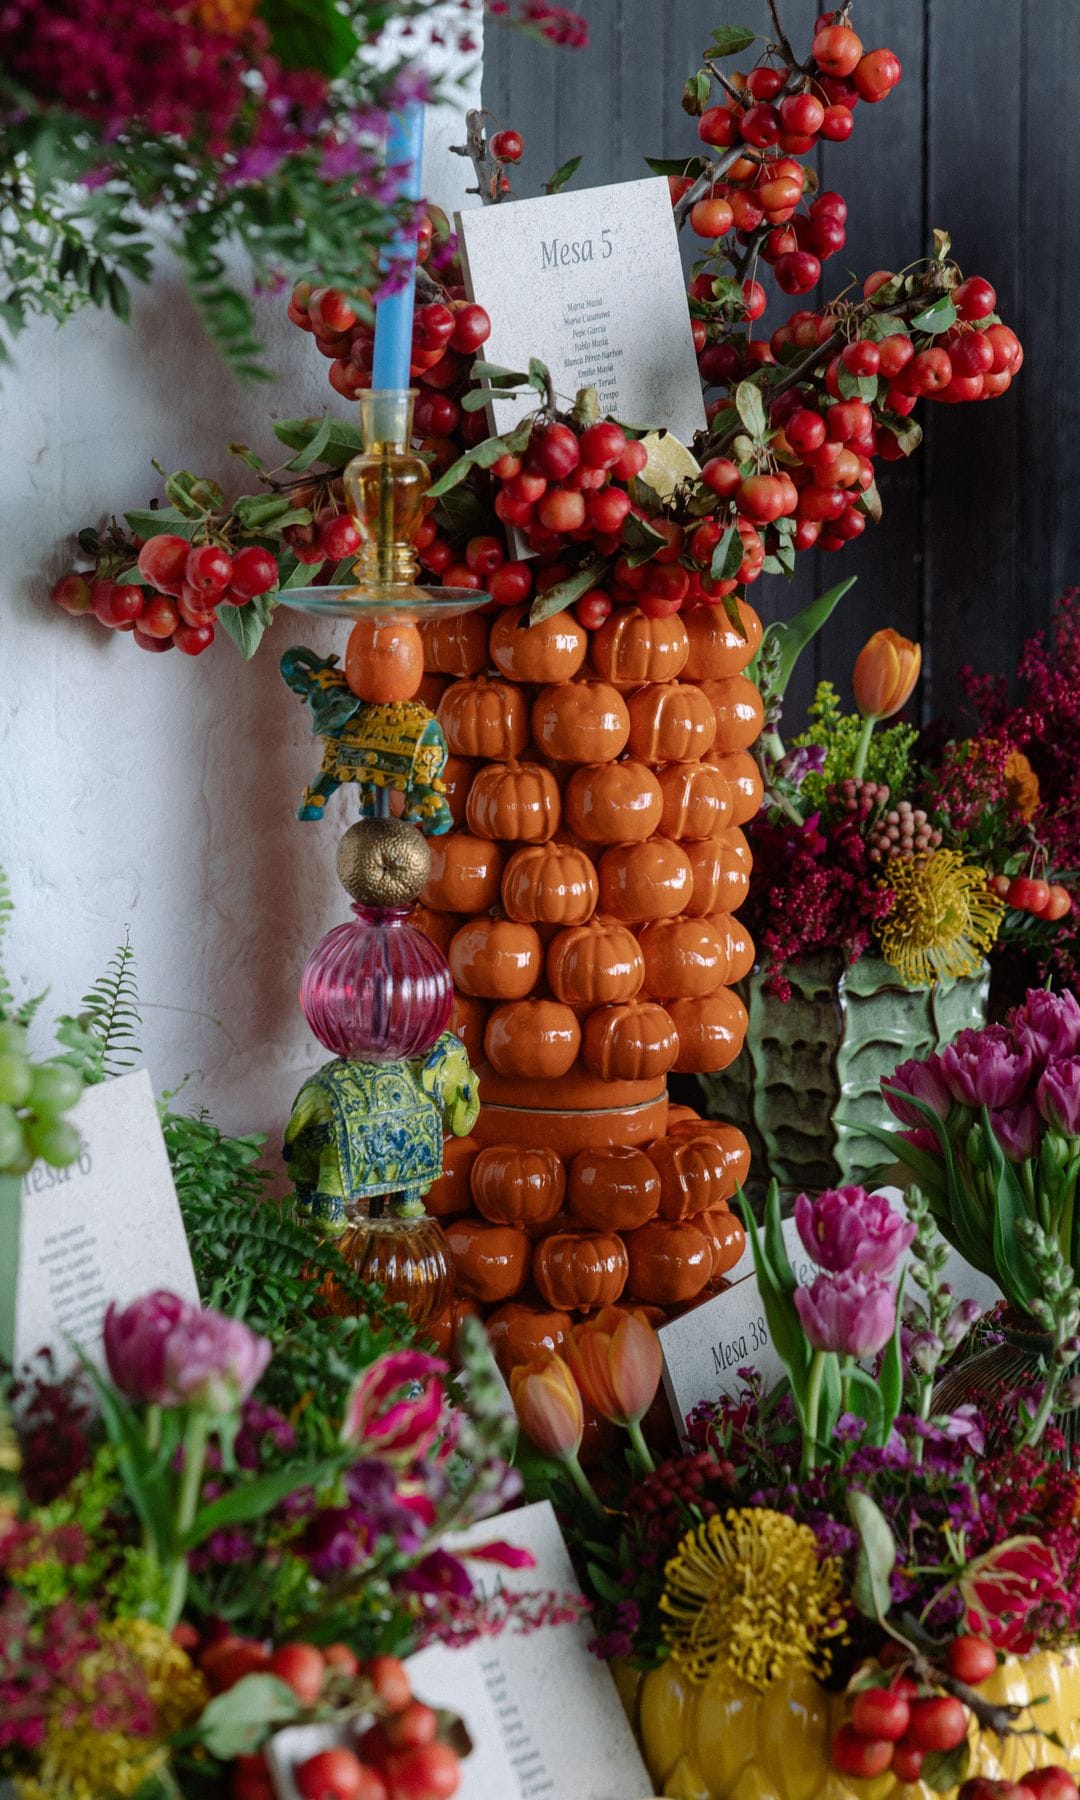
383, 862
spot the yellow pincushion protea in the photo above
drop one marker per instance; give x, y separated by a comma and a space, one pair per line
84, 1756
751, 1592
944, 917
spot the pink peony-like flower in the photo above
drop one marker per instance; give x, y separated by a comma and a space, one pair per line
396, 1408
847, 1228
1058, 1096
923, 1079
213, 1362
984, 1068
135, 1341
1002, 1589
1048, 1025
851, 1314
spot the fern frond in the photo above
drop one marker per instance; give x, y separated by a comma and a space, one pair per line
111, 1013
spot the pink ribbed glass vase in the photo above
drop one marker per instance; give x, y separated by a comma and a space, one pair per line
377, 990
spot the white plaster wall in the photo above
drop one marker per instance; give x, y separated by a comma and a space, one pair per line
158, 793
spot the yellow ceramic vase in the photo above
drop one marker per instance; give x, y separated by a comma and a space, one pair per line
722, 1740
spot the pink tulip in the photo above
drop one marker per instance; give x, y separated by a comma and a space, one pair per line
984, 1068
922, 1079
1058, 1096
396, 1408
1047, 1025
615, 1360
548, 1406
213, 1362
1018, 1130
135, 1341
847, 1228
851, 1314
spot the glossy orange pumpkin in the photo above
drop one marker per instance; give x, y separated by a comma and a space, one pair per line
720, 869
550, 884
738, 711
465, 874
442, 1330
491, 1262
715, 650
654, 880
577, 1270
438, 926
457, 778
636, 1041
711, 1032
597, 964
726, 1236
730, 1140
613, 802
516, 802
537, 1038
696, 801
517, 1332
628, 648
743, 777
696, 1173
484, 718
738, 945
581, 721
612, 1190
431, 690
468, 1021
514, 1186
384, 660
670, 721
451, 1193
496, 959
670, 1263
684, 958
552, 650
456, 646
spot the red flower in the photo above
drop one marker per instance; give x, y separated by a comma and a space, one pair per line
1002, 1591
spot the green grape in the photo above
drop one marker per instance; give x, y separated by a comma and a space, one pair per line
55, 1141
11, 1138
13, 1037
16, 1079
55, 1088
23, 1160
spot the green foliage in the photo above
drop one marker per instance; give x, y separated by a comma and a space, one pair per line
101, 1039
889, 759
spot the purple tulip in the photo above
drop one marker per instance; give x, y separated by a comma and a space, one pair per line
213, 1362
135, 1342
924, 1080
396, 1408
1017, 1130
852, 1314
847, 1228
1048, 1025
984, 1068
923, 1138
1058, 1096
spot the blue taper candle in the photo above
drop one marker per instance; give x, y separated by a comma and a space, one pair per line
394, 314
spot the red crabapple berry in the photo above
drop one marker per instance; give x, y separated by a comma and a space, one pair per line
472, 327
255, 572
117, 603
507, 146
162, 561
208, 568
73, 593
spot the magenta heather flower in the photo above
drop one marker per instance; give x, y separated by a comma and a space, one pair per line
923, 1079
1048, 1025
1058, 1096
395, 1410
849, 1229
851, 1314
135, 1341
213, 1362
984, 1068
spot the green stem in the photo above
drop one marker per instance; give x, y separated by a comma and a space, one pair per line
152, 1427
862, 748
584, 1485
187, 1505
845, 1381
1046, 1405
641, 1448
813, 1407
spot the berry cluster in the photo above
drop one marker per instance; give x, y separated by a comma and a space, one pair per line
1030, 894
187, 583
904, 830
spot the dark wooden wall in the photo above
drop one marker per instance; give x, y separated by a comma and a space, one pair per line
982, 526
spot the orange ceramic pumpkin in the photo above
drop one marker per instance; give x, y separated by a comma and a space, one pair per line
438, 926
743, 777
456, 646
684, 958
517, 1332
465, 874
711, 1032
552, 650
451, 1193
538, 1038
613, 802
581, 721
491, 1262
670, 721
669, 1263
576, 1271
738, 711
696, 1173
550, 884
612, 1190
431, 690
468, 1021
730, 1140
636, 1041
496, 959
514, 1186
442, 1330
484, 718
457, 779
654, 880
696, 801
716, 651
598, 964
726, 1236
738, 945
721, 872
517, 802
629, 648
384, 660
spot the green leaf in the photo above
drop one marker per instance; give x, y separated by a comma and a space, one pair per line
247, 624
565, 592
891, 1372
310, 34
269, 512
640, 540
882, 325
562, 175
935, 319
252, 1499
149, 522
751, 409
696, 93
608, 1589
793, 635
877, 1556
869, 502
728, 40
539, 375
236, 1723
131, 578
463, 514
865, 1401
1015, 1271
674, 165
944, 1770
727, 557
942, 246
857, 387
775, 1247
783, 1321
339, 440
907, 432
192, 494
477, 398
496, 376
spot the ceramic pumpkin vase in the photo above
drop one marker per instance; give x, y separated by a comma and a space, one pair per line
587, 901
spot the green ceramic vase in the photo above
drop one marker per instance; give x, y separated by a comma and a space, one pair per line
811, 1067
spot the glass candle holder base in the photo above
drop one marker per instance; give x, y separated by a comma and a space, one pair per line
411, 606
409, 1258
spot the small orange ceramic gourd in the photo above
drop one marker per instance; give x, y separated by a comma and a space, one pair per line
515, 1186
715, 649
537, 1038
550, 884
670, 721
738, 945
738, 711
596, 964
695, 1174
485, 719
517, 1332
552, 650
384, 660
654, 880
451, 1193
670, 1263
613, 803
636, 1041
515, 802
431, 690
491, 1262
457, 779
695, 801
576, 1271
581, 721
684, 958
711, 1032
730, 1140
465, 874
743, 777
496, 959
468, 1021
613, 1189
629, 648
720, 867
457, 645
726, 1236
438, 927
442, 1330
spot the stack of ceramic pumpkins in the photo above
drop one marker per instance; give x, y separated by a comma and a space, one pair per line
586, 902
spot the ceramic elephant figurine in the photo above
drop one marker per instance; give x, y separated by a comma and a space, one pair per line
399, 745
359, 1129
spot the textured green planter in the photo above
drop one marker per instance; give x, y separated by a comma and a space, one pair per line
817, 1058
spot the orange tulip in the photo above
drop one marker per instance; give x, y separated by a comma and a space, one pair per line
615, 1360
548, 1406
886, 670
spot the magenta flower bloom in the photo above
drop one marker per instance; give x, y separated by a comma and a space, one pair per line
135, 1341
1048, 1025
395, 1410
1058, 1096
847, 1228
1017, 1130
213, 1362
852, 1314
924, 1080
984, 1068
